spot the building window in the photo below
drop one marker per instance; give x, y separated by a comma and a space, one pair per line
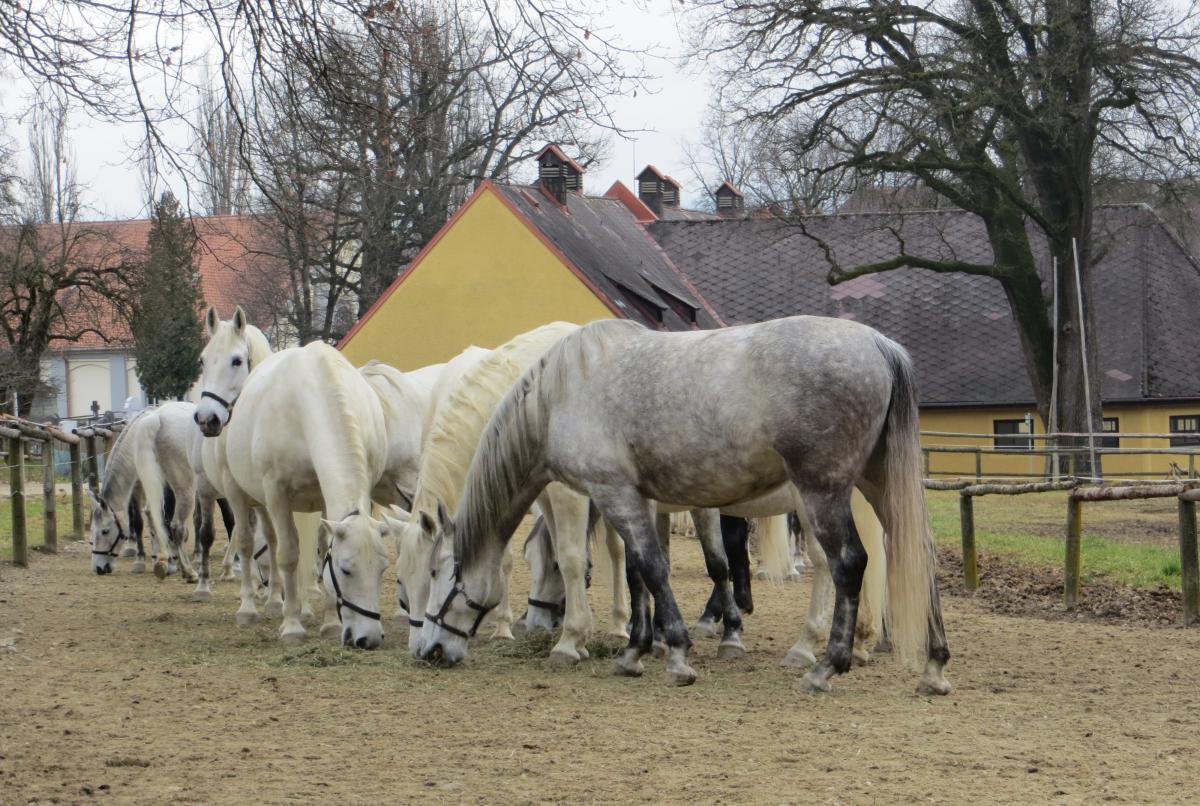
1185, 424
1007, 435
1110, 425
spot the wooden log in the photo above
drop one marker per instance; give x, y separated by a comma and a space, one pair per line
936, 484
62, 436
91, 463
27, 429
1020, 489
978, 464
77, 525
16, 480
49, 505
1190, 495
1104, 493
9, 433
966, 510
1189, 562
1071, 563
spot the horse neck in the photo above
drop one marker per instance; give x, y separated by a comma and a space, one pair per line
341, 465
506, 476
120, 471
258, 348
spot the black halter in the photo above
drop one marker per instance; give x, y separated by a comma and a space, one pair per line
112, 550
266, 581
459, 588
338, 590
557, 608
412, 622
226, 403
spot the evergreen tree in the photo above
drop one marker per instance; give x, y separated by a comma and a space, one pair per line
165, 316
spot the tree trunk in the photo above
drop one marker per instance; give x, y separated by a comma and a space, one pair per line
1078, 407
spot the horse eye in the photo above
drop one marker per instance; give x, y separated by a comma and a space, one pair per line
105, 531
345, 573
237, 362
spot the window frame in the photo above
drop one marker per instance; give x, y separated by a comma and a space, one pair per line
1192, 439
1014, 441
1109, 441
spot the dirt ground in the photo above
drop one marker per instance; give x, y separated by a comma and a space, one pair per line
120, 690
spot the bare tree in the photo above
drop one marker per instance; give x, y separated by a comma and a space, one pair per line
224, 180
53, 185
998, 107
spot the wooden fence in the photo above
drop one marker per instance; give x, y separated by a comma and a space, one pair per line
85, 446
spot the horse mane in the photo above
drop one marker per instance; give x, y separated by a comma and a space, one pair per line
398, 395
118, 469
259, 347
350, 437
510, 447
460, 420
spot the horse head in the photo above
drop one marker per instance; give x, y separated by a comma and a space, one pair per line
109, 529
225, 364
352, 574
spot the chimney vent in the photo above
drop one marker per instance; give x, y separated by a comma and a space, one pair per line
558, 173
656, 190
730, 201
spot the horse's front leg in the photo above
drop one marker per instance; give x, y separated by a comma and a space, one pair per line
568, 522
278, 523
708, 529
633, 517
275, 592
178, 519
662, 525
243, 536
503, 613
136, 530
816, 624
204, 539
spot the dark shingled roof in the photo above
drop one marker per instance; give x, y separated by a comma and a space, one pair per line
603, 240
958, 327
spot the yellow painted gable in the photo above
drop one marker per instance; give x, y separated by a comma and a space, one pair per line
487, 278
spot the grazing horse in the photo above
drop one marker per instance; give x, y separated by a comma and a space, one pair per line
309, 436
458, 424
151, 452
822, 404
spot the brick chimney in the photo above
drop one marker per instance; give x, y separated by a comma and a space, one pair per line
730, 201
657, 190
558, 173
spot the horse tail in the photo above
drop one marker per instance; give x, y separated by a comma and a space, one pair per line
774, 553
911, 584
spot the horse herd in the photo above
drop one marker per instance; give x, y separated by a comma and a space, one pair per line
603, 429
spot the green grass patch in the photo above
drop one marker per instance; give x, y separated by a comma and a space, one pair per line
1030, 530
34, 522
321, 656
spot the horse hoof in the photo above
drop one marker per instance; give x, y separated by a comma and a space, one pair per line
503, 633
201, 596
705, 629
859, 657
731, 651
191, 579
563, 658
798, 659
129, 551
618, 635
139, 567
760, 574
883, 646
273, 609
792, 577
658, 649
160, 570
247, 619
331, 630
814, 684
627, 666
682, 675
934, 687
292, 638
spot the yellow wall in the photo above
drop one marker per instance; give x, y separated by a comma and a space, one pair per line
1131, 419
487, 279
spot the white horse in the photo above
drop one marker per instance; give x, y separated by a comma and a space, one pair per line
150, 452
457, 427
407, 401
809, 404
308, 435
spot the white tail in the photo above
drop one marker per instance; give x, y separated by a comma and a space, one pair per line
774, 553
910, 554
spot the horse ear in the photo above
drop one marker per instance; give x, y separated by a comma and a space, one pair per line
395, 520
428, 525
211, 320
335, 527
239, 320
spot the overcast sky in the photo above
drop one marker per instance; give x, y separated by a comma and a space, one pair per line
659, 122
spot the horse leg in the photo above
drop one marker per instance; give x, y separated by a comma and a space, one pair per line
203, 523
177, 513
803, 653
641, 634
504, 614
708, 529
274, 606
243, 535
619, 626
280, 527
735, 534
835, 532
569, 522
663, 527
136, 529
633, 517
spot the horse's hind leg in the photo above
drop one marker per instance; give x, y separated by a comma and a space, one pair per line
735, 534
633, 517
567, 517
203, 517
816, 625
833, 527
275, 593
243, 536
177, 513
280, 528
136, 529
619, 628
708, 529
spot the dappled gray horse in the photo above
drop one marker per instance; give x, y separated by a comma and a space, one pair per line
628, 416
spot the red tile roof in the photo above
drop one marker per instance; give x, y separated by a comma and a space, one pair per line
233, 255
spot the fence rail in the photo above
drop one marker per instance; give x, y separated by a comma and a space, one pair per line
18, 436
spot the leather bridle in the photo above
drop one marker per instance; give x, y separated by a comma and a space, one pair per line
557, 608
341, 601
227, 404
412, 622
459, 588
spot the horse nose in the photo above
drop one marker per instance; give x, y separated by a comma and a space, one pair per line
363, 643
196, 417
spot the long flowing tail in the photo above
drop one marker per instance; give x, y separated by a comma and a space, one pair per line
774, 553
910, 556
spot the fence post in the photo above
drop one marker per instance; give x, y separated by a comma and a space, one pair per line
1189, 563
49, 505
926, 453
76, 491
966, 509
978, 465
1071, 583
16, 464
92, 463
